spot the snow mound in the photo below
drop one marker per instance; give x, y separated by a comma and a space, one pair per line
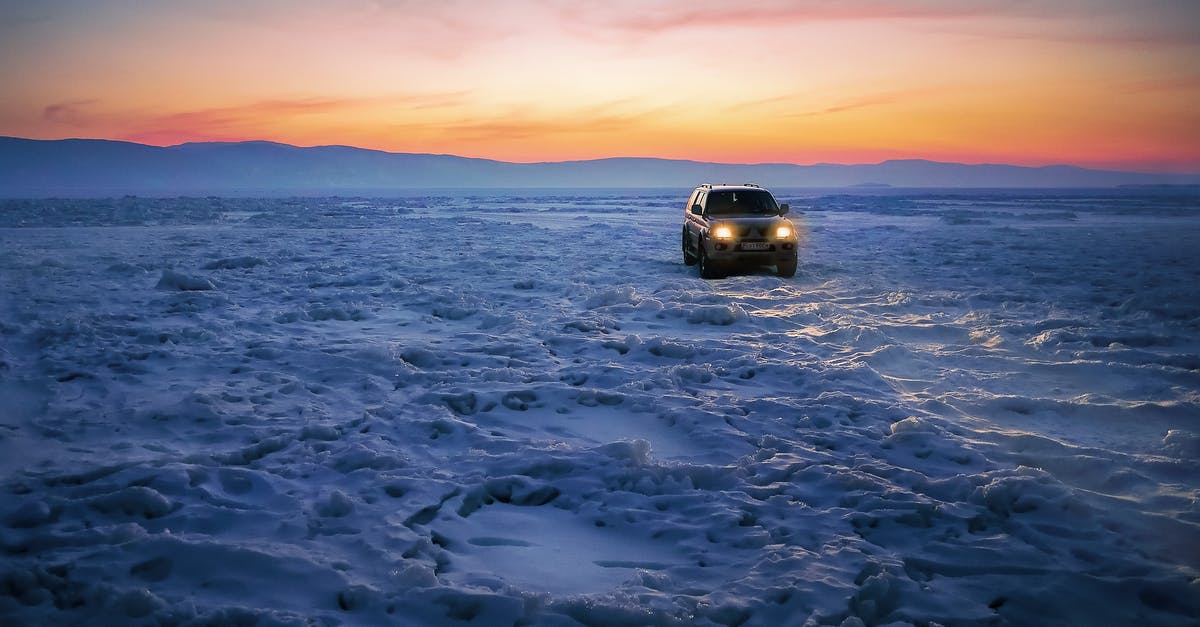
172, 280
1182, 444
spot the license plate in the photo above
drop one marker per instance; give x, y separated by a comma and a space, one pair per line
755, 246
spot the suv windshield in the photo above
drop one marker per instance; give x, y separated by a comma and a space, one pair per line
742, 201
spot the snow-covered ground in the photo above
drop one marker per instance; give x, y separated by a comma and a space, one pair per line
504, 409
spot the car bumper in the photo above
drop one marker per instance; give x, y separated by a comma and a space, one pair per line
740, 251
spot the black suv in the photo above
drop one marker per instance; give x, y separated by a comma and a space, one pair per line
728, 224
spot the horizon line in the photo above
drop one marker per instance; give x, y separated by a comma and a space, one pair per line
608, 158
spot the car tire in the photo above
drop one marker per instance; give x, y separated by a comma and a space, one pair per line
708, 269
786, 269
688, 258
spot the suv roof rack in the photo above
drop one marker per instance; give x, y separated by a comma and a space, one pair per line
711, 185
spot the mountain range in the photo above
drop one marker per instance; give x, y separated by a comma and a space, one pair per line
93, 167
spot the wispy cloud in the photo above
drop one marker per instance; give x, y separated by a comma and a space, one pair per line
224, 123
862, 102
934, 93
247, 120
70, 113
1100, 22
760, 103
683, 15
1156, 85
524, 123
1114, 35
783, 103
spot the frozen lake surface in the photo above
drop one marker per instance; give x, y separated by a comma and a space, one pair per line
522, 408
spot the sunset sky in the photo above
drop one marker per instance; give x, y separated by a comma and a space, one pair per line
1097, 83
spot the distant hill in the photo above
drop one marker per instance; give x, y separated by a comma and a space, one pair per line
83, 167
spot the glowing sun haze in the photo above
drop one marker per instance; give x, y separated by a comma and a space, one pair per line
1098, 83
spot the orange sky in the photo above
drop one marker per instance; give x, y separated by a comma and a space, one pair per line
1098, 83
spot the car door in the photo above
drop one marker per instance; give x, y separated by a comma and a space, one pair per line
695, 223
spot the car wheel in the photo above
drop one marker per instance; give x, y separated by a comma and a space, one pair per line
688, 258
708, 269
786, 269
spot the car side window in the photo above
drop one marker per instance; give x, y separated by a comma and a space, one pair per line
692, 201
700, 200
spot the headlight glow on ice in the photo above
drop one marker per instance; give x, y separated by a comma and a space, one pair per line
722, 232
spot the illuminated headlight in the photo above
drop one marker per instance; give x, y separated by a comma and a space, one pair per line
723, 232
783, 231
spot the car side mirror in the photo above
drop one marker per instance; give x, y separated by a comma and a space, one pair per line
696, 209
783, 209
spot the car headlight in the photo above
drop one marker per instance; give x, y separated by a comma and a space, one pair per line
783, 231
723, 232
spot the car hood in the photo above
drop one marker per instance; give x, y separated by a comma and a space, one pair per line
759, 222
